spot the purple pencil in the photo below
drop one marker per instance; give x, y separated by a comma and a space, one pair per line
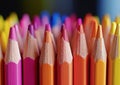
13, 69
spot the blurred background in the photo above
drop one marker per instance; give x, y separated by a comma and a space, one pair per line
79, 7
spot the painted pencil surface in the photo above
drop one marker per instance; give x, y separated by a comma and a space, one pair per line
111, 35
3, 41
64, 60
114, 59
1, 68
46, 69
19, 38
30, 59
91, 49
13, 64
80, 53
98, 60
106, 23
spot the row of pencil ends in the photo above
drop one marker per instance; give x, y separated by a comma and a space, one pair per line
87, 55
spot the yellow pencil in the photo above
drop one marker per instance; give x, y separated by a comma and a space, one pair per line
114, 59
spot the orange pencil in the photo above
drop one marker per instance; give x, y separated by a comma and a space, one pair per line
98, 60
64, 60
94, 26
1, 68
80, 53
86, 25
46, 67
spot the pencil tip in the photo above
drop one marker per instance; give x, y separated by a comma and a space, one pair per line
79, 21
113, 28
99, 32
31, 29
36, 22
80, 28
64, 33
12, 34
117, 32
94, 27
47, 27
106, 21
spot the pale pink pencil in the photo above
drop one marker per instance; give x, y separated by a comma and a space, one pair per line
13, 69
19, 38
30, 59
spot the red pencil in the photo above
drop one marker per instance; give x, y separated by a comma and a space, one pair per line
80, 53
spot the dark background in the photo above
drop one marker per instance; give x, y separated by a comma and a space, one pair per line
80, 7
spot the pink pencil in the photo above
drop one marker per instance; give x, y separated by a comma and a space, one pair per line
24, 22
30, 59
13, 70
19, 38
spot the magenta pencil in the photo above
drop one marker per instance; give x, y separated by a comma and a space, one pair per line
13, 70
30, 59
24, 22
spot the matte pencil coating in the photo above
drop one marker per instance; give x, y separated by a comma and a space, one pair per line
13, 64
64, 60
47, 59
30, 58
80, 53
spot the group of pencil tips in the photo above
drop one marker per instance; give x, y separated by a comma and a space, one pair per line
55, 50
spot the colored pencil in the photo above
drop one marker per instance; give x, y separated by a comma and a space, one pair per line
111, 35
1, 68
106, 24
24, 22
46, 67
3, 41
117, 19
114, 59
98, 60
1, 22
56, 23
30, 58
13, 63
64, 60
19, 38
68, 25
80, 53
91, 49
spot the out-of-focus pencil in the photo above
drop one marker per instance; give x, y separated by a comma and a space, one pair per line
1, 68
106, 25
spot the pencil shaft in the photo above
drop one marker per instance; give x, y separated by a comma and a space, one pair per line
65, 74
13, 73
80, 71
30, 71
46, 74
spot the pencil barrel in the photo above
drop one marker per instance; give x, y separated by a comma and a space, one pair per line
13, 73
